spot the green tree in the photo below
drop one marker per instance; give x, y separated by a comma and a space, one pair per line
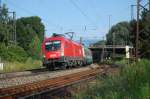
133, 31
144, 36
5, 26
101, 42
30, 33
119, 34
144, 28
29, 29
12, 53
4, 14
35, 47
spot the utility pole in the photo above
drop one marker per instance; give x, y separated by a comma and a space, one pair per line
81, 42
103, 51
0, 13
109, 21
137, 30
114, 37
14, 36
132, 11
14, 24
149, 5
140, 6
61, 29
85, 28
0, 3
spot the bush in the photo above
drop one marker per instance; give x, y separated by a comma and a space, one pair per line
132, 83
12, 53
21, 66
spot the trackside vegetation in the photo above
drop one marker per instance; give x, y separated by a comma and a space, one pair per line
15, 66
15, 58
25, 53
133, 82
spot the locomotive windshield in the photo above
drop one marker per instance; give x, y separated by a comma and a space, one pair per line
52, 45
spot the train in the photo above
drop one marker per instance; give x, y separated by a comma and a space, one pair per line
61, 52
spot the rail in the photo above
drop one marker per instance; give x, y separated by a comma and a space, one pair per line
49, 84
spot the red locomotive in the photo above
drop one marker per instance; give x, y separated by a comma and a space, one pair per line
61, 52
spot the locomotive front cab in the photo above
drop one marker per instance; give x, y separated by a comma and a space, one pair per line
52, 45
53, 53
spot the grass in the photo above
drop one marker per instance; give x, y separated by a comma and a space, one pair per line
120, 62
21, 66
133, 82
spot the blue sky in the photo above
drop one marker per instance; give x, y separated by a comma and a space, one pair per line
87, 18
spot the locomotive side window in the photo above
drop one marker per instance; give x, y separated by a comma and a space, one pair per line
52, 45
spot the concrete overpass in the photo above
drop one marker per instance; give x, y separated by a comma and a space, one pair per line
102, 52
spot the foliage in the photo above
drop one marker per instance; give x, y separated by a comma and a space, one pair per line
132, 83
12, 53
30, 30
144, 35
4, 14
101, 42
35, 47
119, 34
118, 62
124, 33
30, 33
21, 66
5, 26
133, 31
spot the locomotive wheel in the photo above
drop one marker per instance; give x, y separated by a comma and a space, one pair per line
85, 63
64, 66
50, 67
70, 64
78, 63
81, 63
75, 63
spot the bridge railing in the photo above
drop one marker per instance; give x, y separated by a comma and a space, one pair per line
109, 46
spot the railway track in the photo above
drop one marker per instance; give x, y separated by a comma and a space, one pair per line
51, 83
22, 73
9, 75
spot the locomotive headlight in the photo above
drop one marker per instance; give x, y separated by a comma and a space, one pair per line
62, 53
43, 56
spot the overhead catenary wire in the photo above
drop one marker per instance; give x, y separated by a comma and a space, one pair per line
32, 13
25, 10
82, 12
0, 3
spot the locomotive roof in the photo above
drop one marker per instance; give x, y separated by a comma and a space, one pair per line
62, 38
